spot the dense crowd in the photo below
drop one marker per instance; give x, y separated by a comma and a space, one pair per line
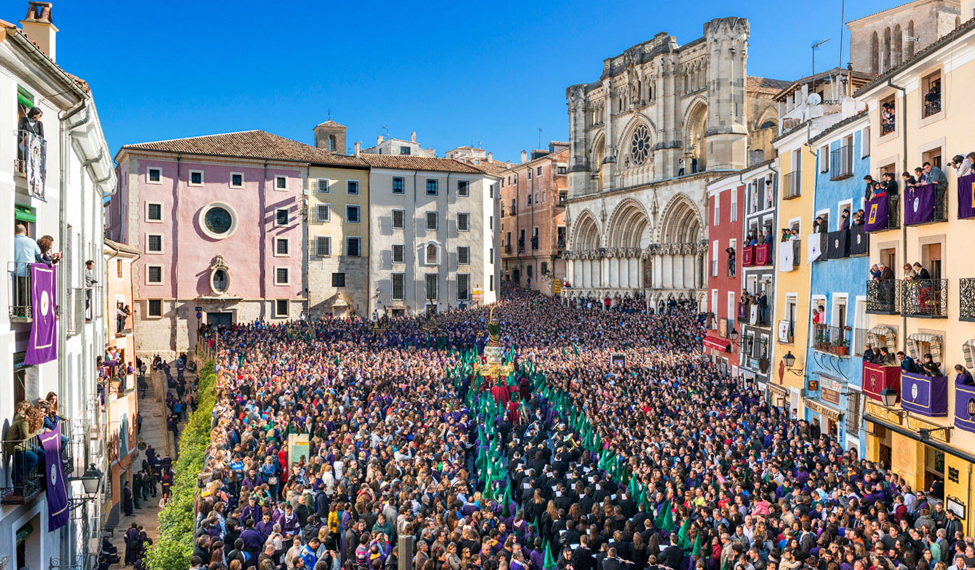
621, 446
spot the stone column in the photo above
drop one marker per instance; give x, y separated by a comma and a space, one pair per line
614, 272
610, 155
668, 272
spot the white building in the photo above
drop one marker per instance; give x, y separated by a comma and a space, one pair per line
399, 147
65, 203
433, 227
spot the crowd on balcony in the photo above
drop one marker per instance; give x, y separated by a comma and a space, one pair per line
888, 118
658, 463
22, 449
122, 313
759, 300
963, 164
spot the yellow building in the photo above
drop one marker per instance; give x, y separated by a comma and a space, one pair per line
922, 112
337, 195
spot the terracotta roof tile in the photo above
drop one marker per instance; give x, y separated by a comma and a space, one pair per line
419, 163
765, 85
249, 144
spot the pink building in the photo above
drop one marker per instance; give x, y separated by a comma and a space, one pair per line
217, 221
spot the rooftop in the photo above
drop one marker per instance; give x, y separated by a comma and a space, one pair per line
400, 162
766, 85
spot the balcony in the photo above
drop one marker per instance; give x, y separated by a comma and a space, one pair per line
31, 161
24, 473
883, 213
832, 340
878, 378
925, 298
521, 246
924, 204
786, 331
841, 163
966, 299
763, 255
743, 312
507, 248
883, 297
796, 252
513, 211
792, 185
18, 275
560, 245
748, 256
535, 243
932, 104
888, 123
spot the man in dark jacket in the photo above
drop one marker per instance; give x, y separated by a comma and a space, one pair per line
582, 557
673, 555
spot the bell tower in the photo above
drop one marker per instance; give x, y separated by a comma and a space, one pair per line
330, 136
726, 133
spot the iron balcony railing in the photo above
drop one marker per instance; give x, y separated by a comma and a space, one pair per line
888, 123
534, 243
507, 248
932, 104
23, 461
30, 148
832, 340
966, 299
18, 274
796, 252
792, 187
560, 244
841, 163
883, 297
927, 298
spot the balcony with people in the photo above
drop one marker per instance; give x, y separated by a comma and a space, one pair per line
925, 195
123, 324
883, 291
27, 441
31, 161
881, 203
921, 296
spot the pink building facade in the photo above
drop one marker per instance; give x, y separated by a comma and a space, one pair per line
217, 221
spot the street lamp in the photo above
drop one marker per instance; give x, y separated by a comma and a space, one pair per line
789, 359
733, 335
91, 481
889, 397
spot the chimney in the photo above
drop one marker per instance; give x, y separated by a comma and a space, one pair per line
379, 140
490, 157
357, 148
39, 27
524, 157
413, 137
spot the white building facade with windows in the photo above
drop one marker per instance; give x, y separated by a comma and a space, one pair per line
60, 196
432, 235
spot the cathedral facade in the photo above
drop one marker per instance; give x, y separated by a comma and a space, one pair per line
644, 141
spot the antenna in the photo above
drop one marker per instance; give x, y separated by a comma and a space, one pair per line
539, 137
329, 114
815, 46
842, 18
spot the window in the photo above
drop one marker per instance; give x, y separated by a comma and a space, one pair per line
865, 142
322, 187
281, 308
463, 222
282, 276
218, 220
529, 199
463, 286
398, 282
529, 270
824, 159
544, 268
323, 212
931, 95
154, 176
491, 255
561, 170
280, 182
433, 221
432, 188
734, 204
399, 186
236, 179
353, 246
714, 262
399, 254
338, 280
491, 288
399, 219
154, 243
405, 151
153, 212
491, 191
431, 282
154, 274
352, 214
118, 268
431, 254
323, 246
196, 178
463, 255
463, 188
888, 116
490, 222
714, 306
352, 187
717, 209
529, 173
154, 308
281, 247
281, 216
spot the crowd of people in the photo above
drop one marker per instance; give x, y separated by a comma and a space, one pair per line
337, 444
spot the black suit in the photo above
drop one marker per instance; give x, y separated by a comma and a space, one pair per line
672, 556
582, 559
611, 564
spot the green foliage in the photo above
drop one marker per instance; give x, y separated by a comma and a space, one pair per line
174, 546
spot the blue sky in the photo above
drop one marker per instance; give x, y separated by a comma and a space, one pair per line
456, 73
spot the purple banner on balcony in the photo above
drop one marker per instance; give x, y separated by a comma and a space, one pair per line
966, 197
924, 395
43, 344
919, 204
877, 214
57, 490
965, 407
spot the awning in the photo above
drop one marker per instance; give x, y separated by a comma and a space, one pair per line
822, 409
715, 343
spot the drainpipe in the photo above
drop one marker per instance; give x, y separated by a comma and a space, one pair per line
445, 262
179, 158
416, 258
890, 83
261, 246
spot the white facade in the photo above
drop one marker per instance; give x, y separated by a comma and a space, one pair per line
399, 147
400, 220
79, 174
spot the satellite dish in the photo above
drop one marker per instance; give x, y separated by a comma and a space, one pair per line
814, 100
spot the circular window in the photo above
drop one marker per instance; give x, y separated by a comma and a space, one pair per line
219, 281
640, 145
218, 220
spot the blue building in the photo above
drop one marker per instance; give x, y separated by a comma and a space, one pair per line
840, 269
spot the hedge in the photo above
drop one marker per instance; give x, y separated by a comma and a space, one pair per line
173, 548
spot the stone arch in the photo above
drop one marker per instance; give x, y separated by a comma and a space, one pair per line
875, 53
886, 55
586, 233
897, 46
695, 125
681, 222
625, 144
597, 155
910, 45
629, 226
